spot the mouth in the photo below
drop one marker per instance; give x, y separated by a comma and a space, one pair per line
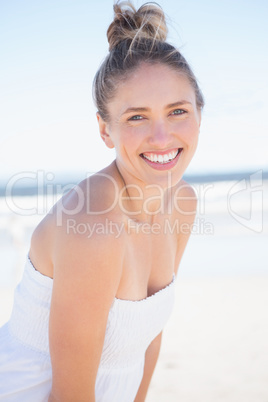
161, 158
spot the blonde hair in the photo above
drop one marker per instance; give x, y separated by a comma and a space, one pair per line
136, 36
148, 22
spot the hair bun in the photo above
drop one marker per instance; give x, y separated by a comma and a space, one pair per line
148, 22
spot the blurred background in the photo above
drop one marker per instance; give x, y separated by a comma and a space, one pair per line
214, 347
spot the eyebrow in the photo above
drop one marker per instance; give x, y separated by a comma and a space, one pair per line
146, 109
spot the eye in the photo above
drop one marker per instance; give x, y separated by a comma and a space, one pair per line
178, 112
136, 117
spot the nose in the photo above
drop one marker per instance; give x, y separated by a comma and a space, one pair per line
160, 136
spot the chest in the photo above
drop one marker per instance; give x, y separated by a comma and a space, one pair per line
149, 260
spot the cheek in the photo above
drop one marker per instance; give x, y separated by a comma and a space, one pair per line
131, 137
189, 132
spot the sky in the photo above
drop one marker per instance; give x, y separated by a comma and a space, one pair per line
50, 51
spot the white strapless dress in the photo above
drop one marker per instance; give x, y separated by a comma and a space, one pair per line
25, 367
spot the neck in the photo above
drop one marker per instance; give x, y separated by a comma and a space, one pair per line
142, 201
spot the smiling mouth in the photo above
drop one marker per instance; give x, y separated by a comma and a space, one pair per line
161, 158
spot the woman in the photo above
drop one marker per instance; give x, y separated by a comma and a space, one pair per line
98, 284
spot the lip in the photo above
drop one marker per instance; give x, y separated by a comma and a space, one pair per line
163, 166
167, 151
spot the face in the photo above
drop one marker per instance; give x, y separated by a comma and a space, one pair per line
154, 125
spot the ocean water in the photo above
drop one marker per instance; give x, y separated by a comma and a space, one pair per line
229, 236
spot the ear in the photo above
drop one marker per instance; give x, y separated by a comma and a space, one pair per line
104, 131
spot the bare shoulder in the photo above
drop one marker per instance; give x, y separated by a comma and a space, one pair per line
81, 230
86, 243
185, 204
79, 224
185, 199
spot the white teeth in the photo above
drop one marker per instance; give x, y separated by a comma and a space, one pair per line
162, 158
166, 158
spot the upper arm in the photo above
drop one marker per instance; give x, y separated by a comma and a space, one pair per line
86, 276
185, 213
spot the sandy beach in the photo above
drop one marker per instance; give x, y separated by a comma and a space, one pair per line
215, 345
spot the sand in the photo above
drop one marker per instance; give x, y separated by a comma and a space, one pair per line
215, 345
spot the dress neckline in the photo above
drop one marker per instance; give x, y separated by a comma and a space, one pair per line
47, 280
151, 297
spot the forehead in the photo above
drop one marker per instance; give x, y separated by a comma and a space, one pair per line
152, 85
